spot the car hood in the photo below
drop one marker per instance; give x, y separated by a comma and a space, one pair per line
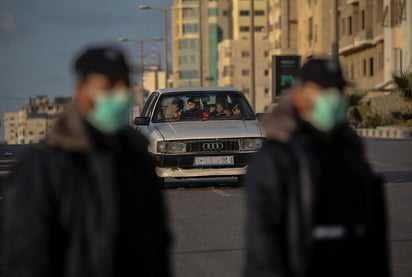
209, 129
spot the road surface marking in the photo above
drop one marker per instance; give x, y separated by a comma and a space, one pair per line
221, 193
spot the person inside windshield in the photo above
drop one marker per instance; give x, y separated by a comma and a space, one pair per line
220, 110
174, 110
193, 109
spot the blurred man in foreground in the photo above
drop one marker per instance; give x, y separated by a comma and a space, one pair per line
315, 208
87, 202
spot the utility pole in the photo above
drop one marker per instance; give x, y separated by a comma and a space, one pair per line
335, 30
252, 55
201, 43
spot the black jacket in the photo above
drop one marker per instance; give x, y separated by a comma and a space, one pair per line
83, 204
314, 207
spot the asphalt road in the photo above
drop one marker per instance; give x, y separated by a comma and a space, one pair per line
208, 222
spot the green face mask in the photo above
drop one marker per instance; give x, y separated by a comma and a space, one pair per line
110, 111
329, 111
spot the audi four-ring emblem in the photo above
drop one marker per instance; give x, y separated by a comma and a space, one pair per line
212, 146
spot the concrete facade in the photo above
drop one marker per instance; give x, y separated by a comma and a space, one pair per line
234, 70
375, 37
33, 121
397, 22
241, 19
361, 46
283, 24
154, 79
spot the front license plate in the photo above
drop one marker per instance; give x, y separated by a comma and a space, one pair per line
215, 160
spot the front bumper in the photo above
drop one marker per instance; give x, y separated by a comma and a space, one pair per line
181, 166
199, 172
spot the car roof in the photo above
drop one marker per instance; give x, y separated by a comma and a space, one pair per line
199, 89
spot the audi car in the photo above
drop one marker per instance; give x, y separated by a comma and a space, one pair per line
200, 132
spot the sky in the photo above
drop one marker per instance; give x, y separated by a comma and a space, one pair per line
40, 38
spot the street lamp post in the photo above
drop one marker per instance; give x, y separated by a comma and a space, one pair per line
141, 55
165, 35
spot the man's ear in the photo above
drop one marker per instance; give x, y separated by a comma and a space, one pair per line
297, 97
82, 101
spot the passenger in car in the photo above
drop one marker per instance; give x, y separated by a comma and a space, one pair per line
193, 109
220, 110
174, 110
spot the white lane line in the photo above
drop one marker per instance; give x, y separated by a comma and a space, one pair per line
221, 193
380, 164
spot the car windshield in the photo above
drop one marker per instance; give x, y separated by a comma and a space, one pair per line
202, 106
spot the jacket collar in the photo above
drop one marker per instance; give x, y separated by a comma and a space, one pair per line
282, 122
69, 132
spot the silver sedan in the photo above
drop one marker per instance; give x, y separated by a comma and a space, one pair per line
200, 132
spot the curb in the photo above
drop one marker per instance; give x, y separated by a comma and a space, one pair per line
390, 133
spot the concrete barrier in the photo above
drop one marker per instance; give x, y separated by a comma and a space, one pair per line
382, 132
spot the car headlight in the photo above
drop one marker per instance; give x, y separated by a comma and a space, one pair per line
251, 144
171, 147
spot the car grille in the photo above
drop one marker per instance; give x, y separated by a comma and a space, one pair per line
212, 146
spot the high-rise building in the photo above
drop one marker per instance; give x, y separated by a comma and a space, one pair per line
197, 28
242, 19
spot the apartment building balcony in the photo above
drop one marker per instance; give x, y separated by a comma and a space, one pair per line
359, 41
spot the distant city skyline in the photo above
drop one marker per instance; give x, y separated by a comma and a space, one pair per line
40, 38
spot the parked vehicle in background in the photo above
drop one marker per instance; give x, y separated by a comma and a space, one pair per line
200, 132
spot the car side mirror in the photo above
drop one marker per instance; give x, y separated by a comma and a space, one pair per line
141, 121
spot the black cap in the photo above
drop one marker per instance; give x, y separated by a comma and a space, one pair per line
322, 71
107, 60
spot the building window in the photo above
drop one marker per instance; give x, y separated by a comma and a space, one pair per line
350, 25
188, 43
183, 60
226, 13
371, 67
189, 74
228, 52
259, 29
310, 30
189, 13
190, 28
259, 12
352, 72
363, 20
213, 12
245, 72
266, 54
364, 67
227, 71
244, 13
266, 72
266, 91
244, 28
193, 59
245, 54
